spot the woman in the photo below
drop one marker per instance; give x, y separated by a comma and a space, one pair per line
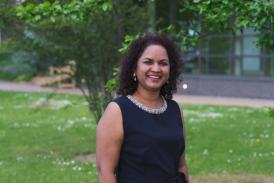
140, 136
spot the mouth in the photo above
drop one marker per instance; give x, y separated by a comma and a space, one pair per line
154, 77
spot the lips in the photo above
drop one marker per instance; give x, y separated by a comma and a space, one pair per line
154, 77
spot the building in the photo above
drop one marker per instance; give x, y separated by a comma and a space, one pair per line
230, 65
222, 64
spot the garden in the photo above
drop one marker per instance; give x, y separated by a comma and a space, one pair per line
51, 138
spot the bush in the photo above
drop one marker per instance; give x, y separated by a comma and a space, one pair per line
17, 66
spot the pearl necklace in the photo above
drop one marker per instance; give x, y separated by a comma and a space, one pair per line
148, 109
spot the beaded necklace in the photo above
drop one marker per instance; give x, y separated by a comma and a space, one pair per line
148, 109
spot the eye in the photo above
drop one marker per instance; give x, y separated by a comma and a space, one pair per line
147, 61
164, 63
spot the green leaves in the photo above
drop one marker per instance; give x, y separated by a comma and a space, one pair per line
106, 6
223, 15
112, 84
128, 39
73, 11
88, 32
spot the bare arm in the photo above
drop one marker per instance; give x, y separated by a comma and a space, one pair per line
109, 137
182, 164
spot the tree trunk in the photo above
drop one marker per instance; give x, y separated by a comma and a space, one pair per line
152, 15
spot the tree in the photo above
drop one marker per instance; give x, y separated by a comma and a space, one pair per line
89, 32
195, 21
7, 18
208, 16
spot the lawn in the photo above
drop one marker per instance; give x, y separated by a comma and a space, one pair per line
229, 140
40, 135
39, 139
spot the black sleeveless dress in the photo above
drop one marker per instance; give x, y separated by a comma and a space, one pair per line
152, 146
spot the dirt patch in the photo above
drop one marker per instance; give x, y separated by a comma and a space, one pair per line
87, 158
226, 178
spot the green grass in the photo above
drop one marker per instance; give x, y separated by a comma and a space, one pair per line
229, 139
38, 140
40, 134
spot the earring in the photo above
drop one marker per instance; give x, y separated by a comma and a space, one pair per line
134, 77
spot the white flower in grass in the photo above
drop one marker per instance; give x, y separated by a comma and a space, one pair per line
60, 104
70, 123
19, 158
272, 153
230, 151
1, 163
233, 109
84, 118
211, 115
249, 111
53, 104
193, 120
92, 126
264, 136
228, 161
77, 168
205, 152
59, 128
62, 162
40, 101
264, 109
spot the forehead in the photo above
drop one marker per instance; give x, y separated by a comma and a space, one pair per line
155, 51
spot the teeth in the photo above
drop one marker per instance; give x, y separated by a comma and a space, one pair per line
154, 77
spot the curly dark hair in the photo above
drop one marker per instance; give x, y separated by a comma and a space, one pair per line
127, 85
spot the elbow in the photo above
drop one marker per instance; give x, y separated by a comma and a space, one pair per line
106, 175
99, 168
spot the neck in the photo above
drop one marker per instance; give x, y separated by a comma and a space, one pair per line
149, 98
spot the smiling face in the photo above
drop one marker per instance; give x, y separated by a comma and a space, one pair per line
152, 68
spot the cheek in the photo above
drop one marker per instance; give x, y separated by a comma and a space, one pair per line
167, 71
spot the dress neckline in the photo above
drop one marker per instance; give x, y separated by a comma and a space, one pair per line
149, 109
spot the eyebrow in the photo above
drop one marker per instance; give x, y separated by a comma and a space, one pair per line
152, 59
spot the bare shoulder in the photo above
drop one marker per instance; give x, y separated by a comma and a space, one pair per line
112, 109
111, 121
109, 138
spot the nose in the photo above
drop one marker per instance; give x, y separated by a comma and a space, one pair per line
155, 67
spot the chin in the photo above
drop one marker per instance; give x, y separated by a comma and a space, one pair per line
155, 88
